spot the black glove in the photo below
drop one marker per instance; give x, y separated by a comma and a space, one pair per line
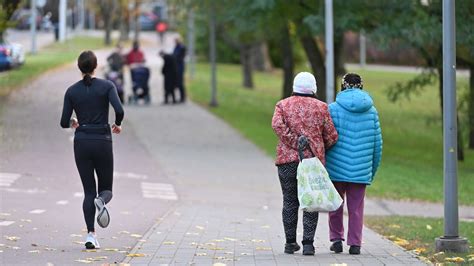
303, 143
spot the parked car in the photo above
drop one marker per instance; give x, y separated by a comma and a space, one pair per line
11, 55
148, 21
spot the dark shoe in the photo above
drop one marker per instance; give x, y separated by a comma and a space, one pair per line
336, 246
308, 250
291, 248
354, 250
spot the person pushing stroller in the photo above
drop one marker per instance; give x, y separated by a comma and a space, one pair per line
140, 74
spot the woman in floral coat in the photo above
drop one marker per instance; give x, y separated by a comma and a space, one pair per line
300, 115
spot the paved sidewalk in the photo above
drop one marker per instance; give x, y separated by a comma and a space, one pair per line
229, 206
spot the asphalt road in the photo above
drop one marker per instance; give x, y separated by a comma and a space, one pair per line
41, 217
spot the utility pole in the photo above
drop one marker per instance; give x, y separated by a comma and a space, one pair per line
363, 48
212, 55
137, 20
33, 26
191, 41
62, 20
329, 52
451, 240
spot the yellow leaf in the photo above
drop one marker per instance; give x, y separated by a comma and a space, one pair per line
216, 248
401, 242
471, 259
168, 243
429, 227
455, 259
84, 261
263, 248
136, 235
135, 255
470, 255
230, 239
199, 227
12, 238
111, 249
89, 250
124, 232
418, 251
394, 226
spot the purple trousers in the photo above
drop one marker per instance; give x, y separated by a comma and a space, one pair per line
355, 194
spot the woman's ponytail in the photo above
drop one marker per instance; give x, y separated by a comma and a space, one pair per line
87, 79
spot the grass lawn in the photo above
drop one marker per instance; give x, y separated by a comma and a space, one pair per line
418, 234
50, 57
412, 163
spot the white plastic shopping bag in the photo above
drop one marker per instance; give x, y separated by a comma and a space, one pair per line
315, 189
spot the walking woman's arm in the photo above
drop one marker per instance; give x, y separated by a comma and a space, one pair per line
282, 130
378, 145
115, 102
67, 112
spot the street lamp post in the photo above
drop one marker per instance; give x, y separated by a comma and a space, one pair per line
33, 26
451, 240
329, 52
62, 20
212, 55
191, 41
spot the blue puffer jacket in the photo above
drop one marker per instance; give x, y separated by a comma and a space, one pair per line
356, 155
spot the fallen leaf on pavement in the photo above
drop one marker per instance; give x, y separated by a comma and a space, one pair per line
192, 234
89, 250
210, 244
455, 259
228, 252
34, 245
401, 242
263, 248
245, 254
12, 238
136, 235
111, 249
79, 242
84, 261
169, 243
230, 239
26, 220
124, 232
97, 258
1, 251
258, 240
34, 251
199, 227
439, 253
136, 255
418, 251
394, 226
193, 244
429, 227
75, 235
4, 214
219, 264
216, 248
265, 226
201, 254
470, 256
142, 240
49, 249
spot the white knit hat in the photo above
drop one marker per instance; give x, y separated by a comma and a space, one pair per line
305, 83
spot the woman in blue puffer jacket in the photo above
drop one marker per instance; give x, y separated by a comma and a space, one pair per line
353, 161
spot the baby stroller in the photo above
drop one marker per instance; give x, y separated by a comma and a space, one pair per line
116, 77
140, 77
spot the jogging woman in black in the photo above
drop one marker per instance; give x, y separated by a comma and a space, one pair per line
89, 98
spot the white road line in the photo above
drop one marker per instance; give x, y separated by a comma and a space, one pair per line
6, 223
130, 175
62, 202
37, 211
158, 191
7, 179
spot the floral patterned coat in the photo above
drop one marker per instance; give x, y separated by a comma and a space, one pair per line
302, 115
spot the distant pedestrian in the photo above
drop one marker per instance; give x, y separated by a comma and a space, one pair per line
116, 62
170, 76
135, 56
300, 115
89, 98
353, 161
161, 27
180, 53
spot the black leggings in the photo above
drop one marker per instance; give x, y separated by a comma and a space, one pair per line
94, 155
289, 187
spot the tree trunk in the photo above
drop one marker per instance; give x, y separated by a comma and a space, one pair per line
316, 60
108, 29
246, 63
124, 25
260, 58
288, 61
471, 106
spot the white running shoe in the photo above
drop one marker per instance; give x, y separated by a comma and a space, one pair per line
92, 242
103, 217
